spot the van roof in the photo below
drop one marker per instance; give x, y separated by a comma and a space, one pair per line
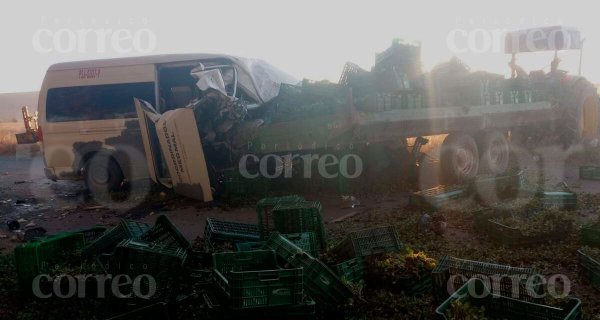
128, 61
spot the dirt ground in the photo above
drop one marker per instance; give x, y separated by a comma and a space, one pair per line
27, 195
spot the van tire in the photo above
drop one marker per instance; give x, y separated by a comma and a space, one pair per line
103, 176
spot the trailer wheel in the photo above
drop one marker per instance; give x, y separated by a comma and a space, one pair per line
495, 153
459, 158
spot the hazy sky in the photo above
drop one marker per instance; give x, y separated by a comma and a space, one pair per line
308, 39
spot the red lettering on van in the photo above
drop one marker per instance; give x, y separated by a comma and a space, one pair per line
89, 73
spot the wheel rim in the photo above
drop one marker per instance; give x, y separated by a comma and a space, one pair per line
498, 152
464, 161
100, 174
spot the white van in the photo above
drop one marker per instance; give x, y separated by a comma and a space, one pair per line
88, 122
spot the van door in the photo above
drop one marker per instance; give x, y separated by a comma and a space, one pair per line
172, 140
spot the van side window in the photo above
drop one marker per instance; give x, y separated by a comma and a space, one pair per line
99, 102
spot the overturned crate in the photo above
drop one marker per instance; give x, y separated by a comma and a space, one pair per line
264, 212
110, 239
436, 197
228, 231
306, 241
39, 256
253, 279
589, 173
493, 187
478, 295
219, 308
352, 270
589, 235
368, 242
320, 282
460, 270
558, 199
162, 262
589, 267
300, 217
164, 232
486, 222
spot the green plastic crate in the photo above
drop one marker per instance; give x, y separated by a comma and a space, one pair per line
561, 199
589, 173
590, 268
230, 231
164, 263
461, 270
301, 217
165, 232
110, 239
250, 246
352, 270
157, 311
264, 212
283, 247
33, 258
305, 241
218, 309
320, 282
236, 185
368, 242
496, 186
253, 279
436, 197
503, 308
91, 234
589, 235
512, 236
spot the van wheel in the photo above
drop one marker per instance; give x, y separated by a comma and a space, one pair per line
495, 153
459, 158
102, 176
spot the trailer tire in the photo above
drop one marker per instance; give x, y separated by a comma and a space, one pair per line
495, 153
459, 158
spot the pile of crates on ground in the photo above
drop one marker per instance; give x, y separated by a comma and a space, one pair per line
272, 270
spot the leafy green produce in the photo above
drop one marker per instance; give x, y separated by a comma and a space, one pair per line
465, 311
538, 223
393, 267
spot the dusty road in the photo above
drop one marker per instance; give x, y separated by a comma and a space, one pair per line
26, 195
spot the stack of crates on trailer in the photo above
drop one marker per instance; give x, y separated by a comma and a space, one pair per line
300, 217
